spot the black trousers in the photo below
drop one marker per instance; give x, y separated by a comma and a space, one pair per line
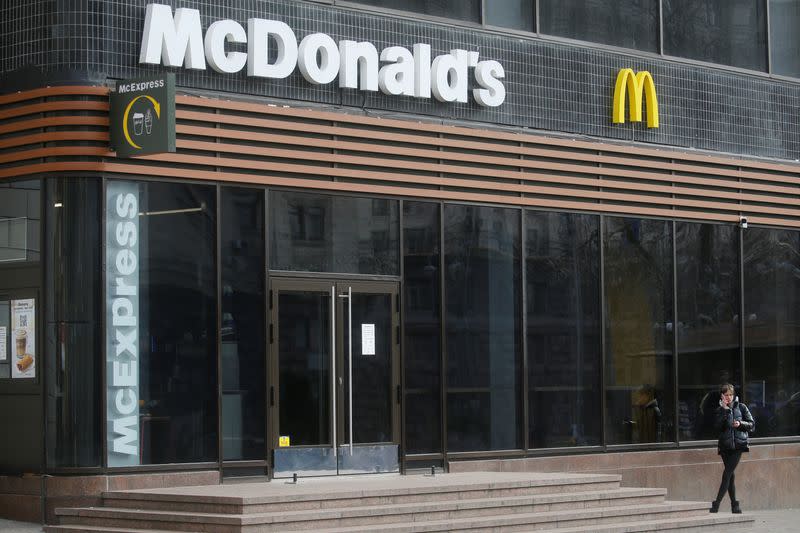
731, 461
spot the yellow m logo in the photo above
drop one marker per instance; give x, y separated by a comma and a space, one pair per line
635, 84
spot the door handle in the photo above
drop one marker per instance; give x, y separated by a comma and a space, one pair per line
272, 396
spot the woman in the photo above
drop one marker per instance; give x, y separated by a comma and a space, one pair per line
734, 422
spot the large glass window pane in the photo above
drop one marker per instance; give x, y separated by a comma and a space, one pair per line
784, 27
562, 276
422, 327
318, 233
639, 330
772, 329
707, 276
20, 220
73, 349
730, 32
484, 362
516, 14
242, 328
626, 23
161, 320
454, 9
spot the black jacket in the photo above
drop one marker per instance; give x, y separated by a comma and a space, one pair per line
730, 438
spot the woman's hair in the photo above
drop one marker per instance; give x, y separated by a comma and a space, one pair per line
725, 387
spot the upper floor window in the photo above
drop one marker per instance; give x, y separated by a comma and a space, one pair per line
784, 23
469, 10
625, 23
730, 32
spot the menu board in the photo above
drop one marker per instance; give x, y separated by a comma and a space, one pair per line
23, 339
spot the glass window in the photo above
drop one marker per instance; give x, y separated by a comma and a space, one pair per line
422, 327
20, 220
784, 27
730, 32
772, 329
242, 328
73, 318
639, 330
562, 276
484, 358
455, 9
707, 276
516, 14
318, 233
161, 323
625, 23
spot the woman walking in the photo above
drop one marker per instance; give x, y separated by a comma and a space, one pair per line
734, 423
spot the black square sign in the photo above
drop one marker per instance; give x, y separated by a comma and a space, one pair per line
143, 116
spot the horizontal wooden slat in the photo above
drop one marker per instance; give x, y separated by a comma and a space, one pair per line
249, 142
484, 134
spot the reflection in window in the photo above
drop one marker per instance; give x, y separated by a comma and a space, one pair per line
242, 328
562, 273
707, 277
319, 233
455, 9
772, 329
73, 368
639, 330
20, 220
422, 327
784, 26
625, 23
733, 32
484, 362
516, 14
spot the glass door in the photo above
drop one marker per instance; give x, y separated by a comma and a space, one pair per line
334, 377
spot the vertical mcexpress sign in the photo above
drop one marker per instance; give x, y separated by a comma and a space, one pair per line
122, 323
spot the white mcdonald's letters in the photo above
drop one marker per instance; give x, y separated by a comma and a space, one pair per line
177, 41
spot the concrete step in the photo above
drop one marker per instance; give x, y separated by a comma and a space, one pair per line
475, 517
672, 522
693, 524
382, 514
280, 496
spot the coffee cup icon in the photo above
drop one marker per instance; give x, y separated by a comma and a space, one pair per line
138, 123
148, 121
22, 342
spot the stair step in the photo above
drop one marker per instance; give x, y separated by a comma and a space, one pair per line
397, 512
242, 498
419, 521
582, 518
693, 523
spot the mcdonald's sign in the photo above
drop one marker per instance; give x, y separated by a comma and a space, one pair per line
635, 85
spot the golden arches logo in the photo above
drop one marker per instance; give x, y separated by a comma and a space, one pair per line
635, 85
125, 131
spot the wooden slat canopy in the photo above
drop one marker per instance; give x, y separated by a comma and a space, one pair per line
65, 130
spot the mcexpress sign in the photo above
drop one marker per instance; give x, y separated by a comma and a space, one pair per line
178, 41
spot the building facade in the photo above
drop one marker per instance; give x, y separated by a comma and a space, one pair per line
388, 236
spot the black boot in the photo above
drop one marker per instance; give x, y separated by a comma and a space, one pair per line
714, 507
735, 509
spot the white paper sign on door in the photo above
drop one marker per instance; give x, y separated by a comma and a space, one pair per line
367, 339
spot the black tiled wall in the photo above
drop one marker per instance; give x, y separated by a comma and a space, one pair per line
551, 86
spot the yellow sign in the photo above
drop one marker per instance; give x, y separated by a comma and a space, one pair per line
635, 84
283, 442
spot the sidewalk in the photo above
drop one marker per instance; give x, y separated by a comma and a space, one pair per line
781, 521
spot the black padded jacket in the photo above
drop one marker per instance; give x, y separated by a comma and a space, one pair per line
731, 438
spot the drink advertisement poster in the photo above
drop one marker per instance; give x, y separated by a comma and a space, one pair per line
23, 338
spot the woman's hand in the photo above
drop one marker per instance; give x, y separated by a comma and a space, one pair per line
736, 423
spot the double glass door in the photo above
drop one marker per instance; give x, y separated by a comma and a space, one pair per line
334, 390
